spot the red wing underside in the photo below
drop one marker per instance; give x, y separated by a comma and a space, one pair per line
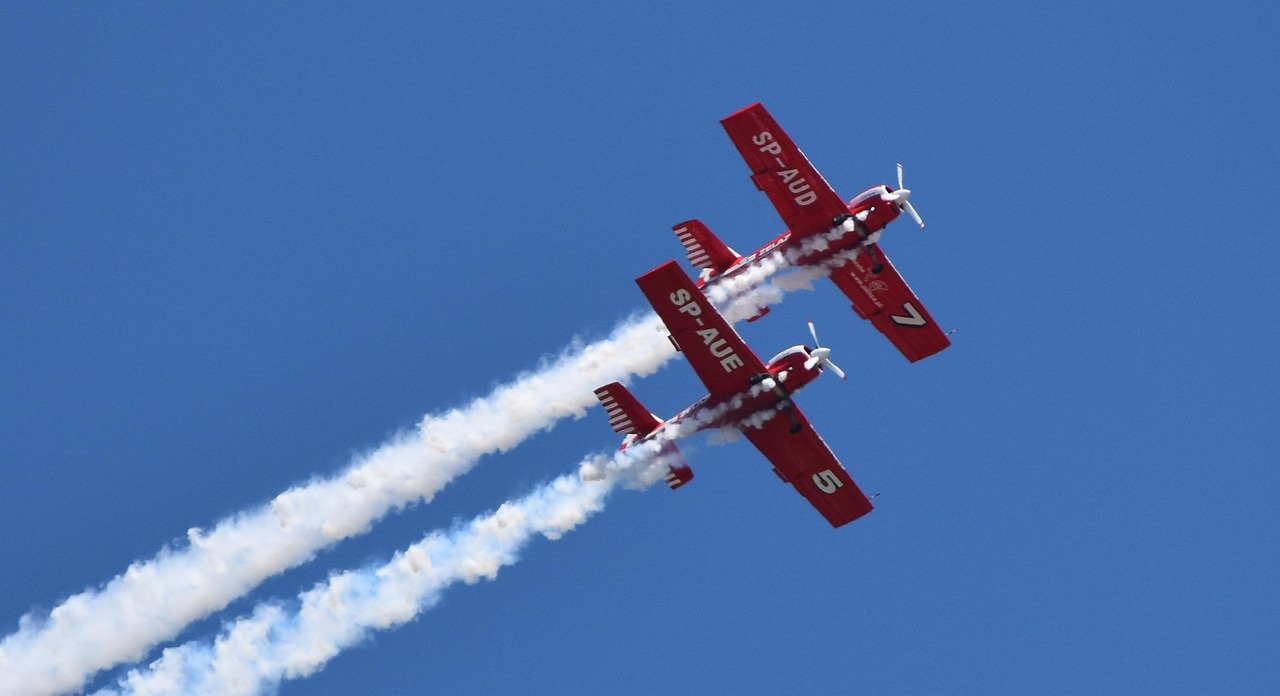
717, 354
807, 204
887, 300
805, 461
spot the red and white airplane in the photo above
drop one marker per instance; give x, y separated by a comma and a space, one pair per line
822, 229
744, 393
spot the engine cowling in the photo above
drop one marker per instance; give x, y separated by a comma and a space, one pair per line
788, 368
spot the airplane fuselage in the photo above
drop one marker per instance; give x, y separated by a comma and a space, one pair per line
787, 375
871, 208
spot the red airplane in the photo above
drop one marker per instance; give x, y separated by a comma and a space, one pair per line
745, 394
823, 229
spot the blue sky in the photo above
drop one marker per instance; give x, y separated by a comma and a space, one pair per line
241, 244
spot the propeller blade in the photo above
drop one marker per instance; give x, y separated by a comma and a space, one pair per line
836, 369
903, 199
820, 355
906, 205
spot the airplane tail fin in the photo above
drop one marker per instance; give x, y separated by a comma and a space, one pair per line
705, 250
627, 417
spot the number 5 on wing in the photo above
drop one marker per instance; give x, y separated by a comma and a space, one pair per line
827, 482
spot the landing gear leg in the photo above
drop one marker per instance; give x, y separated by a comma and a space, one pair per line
791, 416
876, 266
844, 222
850, 224
786, 400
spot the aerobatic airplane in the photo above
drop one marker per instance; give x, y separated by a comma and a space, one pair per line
744, 393
822, 229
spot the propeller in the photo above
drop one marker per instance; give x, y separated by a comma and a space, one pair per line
821, 356
902, 197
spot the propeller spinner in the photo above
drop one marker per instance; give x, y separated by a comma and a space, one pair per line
821, 356
902, 197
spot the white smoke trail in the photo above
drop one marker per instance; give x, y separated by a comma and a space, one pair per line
154, 599
276, 642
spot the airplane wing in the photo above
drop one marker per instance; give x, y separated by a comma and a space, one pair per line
717, 354
804, 460
807, 203
887, 300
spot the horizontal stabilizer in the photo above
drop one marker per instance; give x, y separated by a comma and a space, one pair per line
678, 473
678, 476
705, 250
626, 415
